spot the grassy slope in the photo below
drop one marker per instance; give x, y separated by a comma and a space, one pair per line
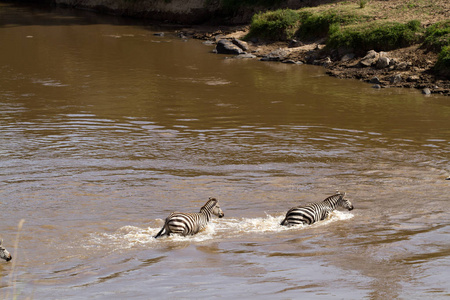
379, 25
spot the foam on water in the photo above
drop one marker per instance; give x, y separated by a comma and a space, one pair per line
131, 236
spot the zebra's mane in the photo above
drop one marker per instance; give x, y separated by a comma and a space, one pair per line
334, 199
210, 204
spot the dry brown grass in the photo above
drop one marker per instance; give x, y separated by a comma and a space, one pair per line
426, 11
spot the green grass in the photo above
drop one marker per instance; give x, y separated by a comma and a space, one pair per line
314, 25
378, 36
443, 63
437, 36
341, 28
362, 3
274, 25
437, 39
360, 28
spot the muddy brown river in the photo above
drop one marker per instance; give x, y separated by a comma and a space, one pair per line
106, 128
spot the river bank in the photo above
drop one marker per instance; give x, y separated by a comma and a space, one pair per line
410, 67
387, 44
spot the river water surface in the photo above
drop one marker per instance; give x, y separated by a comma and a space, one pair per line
106, 128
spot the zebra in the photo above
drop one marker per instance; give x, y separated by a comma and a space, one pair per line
4, 254
190, 223
315, 212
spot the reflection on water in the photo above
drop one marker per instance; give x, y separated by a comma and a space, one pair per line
105, 129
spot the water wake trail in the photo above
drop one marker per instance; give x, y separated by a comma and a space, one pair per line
131, 236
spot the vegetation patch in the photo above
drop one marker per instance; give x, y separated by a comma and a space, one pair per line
314, 25
361, 25
377, 36
443, 63
437, 36
274, 25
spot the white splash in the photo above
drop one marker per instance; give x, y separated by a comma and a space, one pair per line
130, 236
250, 225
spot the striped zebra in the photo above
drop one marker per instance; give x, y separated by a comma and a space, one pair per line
190, 223
4, 254
315, 212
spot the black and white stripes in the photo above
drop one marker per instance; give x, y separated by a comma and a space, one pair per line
314, 212
190, 223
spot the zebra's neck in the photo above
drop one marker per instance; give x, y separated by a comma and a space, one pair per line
206, 212
333, 201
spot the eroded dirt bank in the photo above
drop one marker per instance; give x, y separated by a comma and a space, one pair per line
175, 11
182, 11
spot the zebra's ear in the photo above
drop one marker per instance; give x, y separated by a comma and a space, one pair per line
339, 193
212, 199
1, 242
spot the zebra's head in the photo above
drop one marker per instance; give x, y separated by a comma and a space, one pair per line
345, 203
339, 200
4, 254
213, 205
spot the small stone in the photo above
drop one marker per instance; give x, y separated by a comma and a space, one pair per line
375, 80
245, 55
181, 35
320, 47
276, 55
241, 44
426, 91
322, 62
370, 58
294, 44
161, 34
376, 86
383, 62
401, 66
348, 56
225, 46
396, 79
326, 61
412, 78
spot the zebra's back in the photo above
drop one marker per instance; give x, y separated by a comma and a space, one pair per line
191, 223
185, 223
314, 212
307, 214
